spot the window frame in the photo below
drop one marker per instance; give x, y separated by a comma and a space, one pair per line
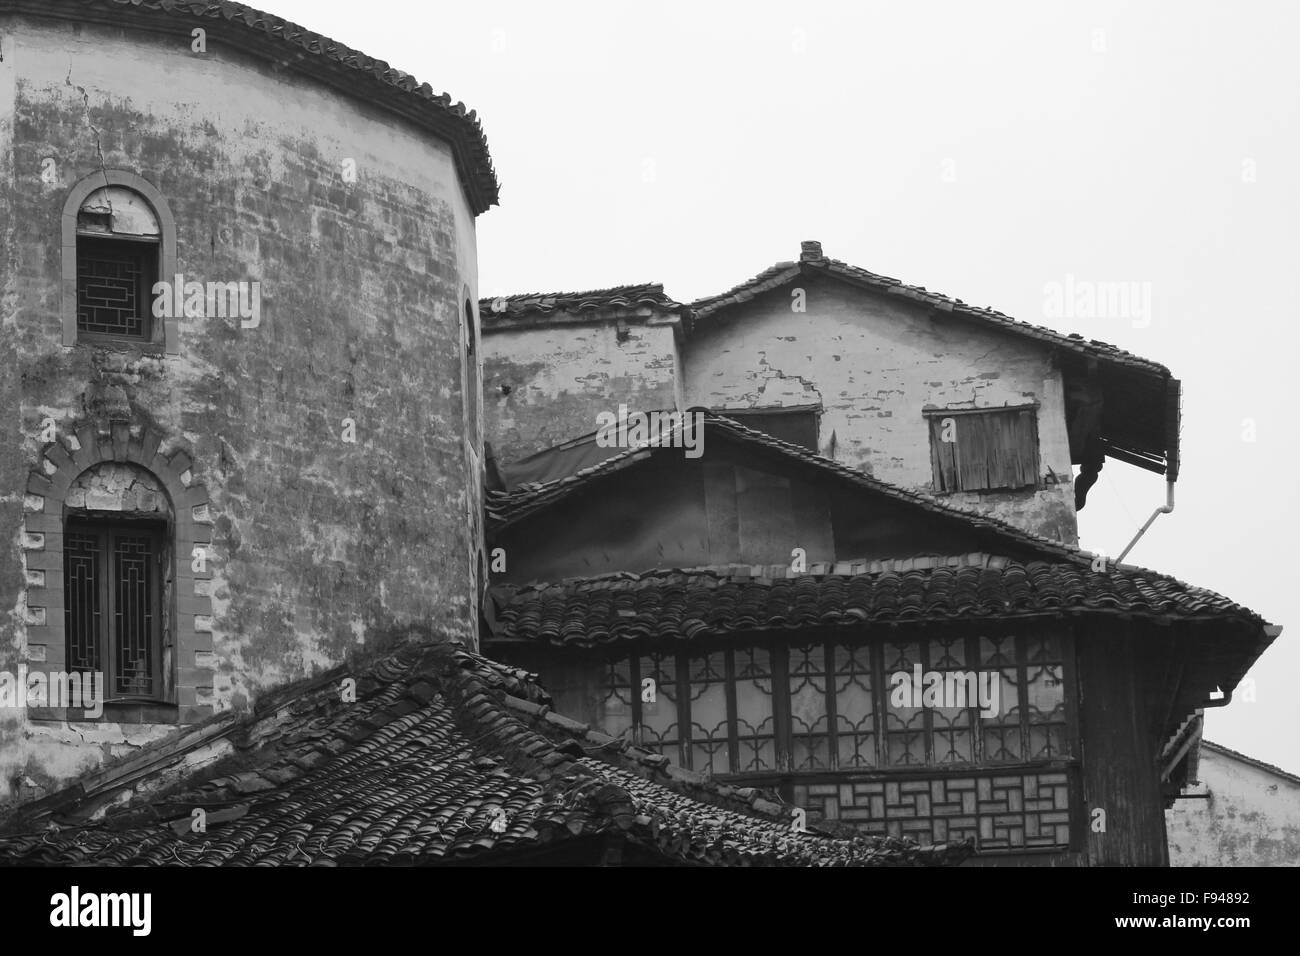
931, 413
148, 278
165, 332
1062, 772
107, 531
778, 648
745, 417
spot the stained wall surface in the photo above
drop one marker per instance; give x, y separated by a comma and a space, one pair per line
318, 456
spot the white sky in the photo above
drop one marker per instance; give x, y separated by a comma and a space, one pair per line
980, 150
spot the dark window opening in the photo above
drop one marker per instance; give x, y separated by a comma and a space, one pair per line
112, 592
984, 449
472, 386
115, 279
798, 426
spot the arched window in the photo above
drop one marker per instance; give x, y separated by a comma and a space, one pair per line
117, 561
118, 240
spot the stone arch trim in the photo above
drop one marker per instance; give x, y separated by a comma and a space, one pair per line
167, 238
189, 675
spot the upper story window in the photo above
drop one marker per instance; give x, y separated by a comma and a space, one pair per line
798, 426
838, 706
118, 241
984, 449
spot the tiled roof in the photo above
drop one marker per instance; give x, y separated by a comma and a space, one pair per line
547, 303
362, 74
1244, 758
675, 605
814, 263
443, 756
505, 508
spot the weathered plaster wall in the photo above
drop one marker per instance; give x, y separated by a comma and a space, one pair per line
13, 477
727, 507
545, 385
1250, 818
874, 364
316, 542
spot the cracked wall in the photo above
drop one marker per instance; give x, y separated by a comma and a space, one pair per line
545, 385
874, 364
1239, 815
317, 542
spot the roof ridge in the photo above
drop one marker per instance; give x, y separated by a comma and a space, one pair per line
99, 784
626, 287
420, 768
587, 300
675, 604
1253, 761
780, 272
456, 121
618, 800
521, 499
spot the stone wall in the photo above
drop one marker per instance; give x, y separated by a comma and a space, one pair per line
318, 455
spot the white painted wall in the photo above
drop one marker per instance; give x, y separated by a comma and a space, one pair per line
1250, 818
874, 363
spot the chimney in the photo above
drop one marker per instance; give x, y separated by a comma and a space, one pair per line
810, 250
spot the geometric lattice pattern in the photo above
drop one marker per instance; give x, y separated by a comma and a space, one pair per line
82, 611
111, 292
840, 710
111, 605
1001, 811
133, 614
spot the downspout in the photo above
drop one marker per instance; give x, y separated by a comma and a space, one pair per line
1165, 509
1271, 631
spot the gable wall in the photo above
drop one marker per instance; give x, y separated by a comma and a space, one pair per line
545, 385
727, 507
1241, 815
873, 363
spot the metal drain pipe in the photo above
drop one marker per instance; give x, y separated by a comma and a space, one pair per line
1163, 510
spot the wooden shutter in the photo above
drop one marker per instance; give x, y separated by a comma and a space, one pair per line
995, 449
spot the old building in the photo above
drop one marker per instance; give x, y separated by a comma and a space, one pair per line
210, 492
1236, 811
828, 610
848, 572
245, 456
858, 367
443, 758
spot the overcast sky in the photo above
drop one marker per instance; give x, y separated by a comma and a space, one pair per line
983, 150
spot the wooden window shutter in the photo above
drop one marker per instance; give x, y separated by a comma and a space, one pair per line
990, 450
